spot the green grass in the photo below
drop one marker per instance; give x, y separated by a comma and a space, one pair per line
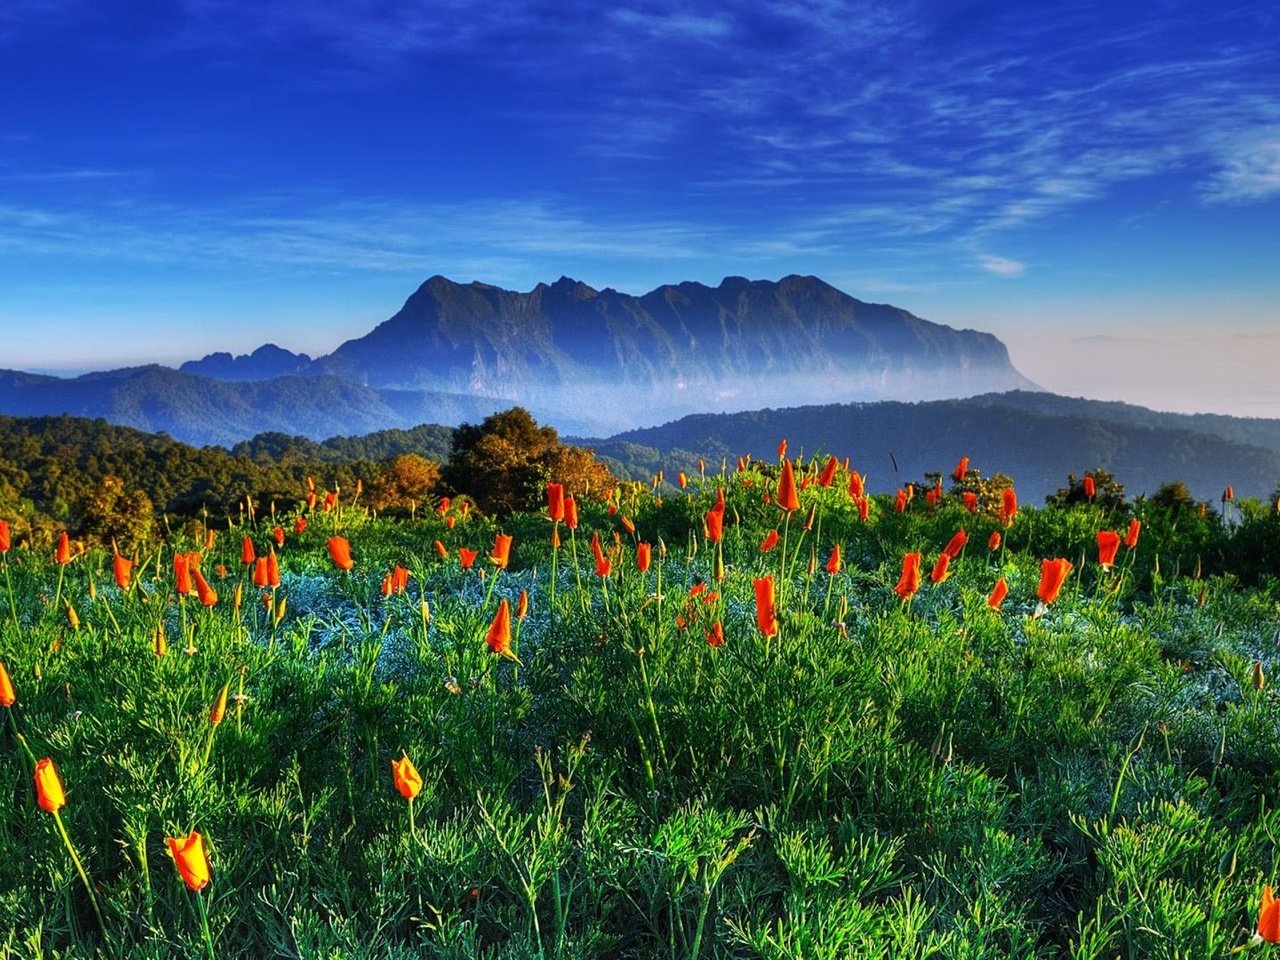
919, 779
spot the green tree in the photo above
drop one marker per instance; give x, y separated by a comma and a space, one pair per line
109, 513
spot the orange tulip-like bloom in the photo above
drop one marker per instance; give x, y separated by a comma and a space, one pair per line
941, 568
340, 551
1131, 535
994, 541
466, 557
782, 448
49, 793
1008, 505
715, 525
311, 500
189, 857
441, 550
864, 507
385, 587
766, 611
1090, 487
571, 513
278, 533
8, 696
220, 706
909, 582
833, 561
956, 543
770, 541
522, 605
273, 570
828, 472
644, 556
62, 553
182, 574
555, 501
900, 501
682, 480
962, 468
500, 556
857, 486
247, 555
998, 593
1229, 493
931, 497
1269, 917
445, 504
6, 539
260, 572
399, 579
1053, 574
499, 636
715, 635
207, 595
300, 525
788, 499
604, 566
330, 501
406, 777
970, 501
122, 570
1108, 544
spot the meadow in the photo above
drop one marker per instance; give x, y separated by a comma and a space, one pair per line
709, 717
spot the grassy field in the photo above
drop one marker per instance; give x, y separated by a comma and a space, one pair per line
660, 764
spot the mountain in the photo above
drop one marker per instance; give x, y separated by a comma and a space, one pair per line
893, 443
265, 363
565, 348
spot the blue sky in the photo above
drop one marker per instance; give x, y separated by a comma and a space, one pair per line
1096, 183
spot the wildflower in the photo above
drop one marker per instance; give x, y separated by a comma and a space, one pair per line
682, 480
466, 557
998, 593
406, 777
399, 579
340, 551
571, 513
956, 543
1229, 493
970, 500
62, 553
962, 468
857, 487
1269, 917
782, 449
1131, 535
6, 539
715, 525
499, 635
278, 533
1053, 573
555, 501
189, 857
909, 582
993, 541
1257, 678
833, 561
644, 556
766, 612
182, 574
500, 555
941, 569
207, 595
330, 501
122, 570
1108, 544
864, 507
770, 541
220, 706
900, 501
273, 570
260, 572
1008, 505
247, 556
715, 635
604, 566
1090, 487
49, 792
828, 472
441, 550
300, 525
160, 643
787, 497
8, 696
522, 605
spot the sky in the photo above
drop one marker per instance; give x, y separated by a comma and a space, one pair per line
1098, 184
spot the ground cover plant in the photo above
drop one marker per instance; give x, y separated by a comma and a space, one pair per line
751, 712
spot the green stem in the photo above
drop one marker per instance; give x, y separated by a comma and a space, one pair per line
13, 606
204, 925
84, 878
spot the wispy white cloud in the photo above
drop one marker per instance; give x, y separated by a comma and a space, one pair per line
1001, 266
1251, 173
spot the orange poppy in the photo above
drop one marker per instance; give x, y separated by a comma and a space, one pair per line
300, 525
644, 556
122, 570
970, 501
399, 579
682, 480
500, 555
993, 541
406, 777
571, 513
49, 792
247, 556
208, 596
441, 550
62, 553
219, 706
1131, 535
941, 568
864, 507
857, 486
260, 572
715, 525
273, 570
522, 605
499, 635
1269, 917
340, 551
833, 561
770, 541
466, 557
956, 543
787, 498
909, 582
998, 593
555, 501
189, 857
1108, 544
8, 696
900, 501
182, 574
1053, 574
278, 533
962, 468
1090, 487
1008, 505
6, 539
828, 472
766, 611
715, 635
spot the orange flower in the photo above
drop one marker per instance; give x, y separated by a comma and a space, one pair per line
909, 582
788, 499
6, 540
864, 507
1053, 574
385, 588
715, 636
782, 450
571, 513
501, 553
273, 570
770, 541
260, 572
644, 556
715, 525
604, 566
441, 550
330, 501
956, 543
1229, 493
993, 541
122, 569
445, 504
555, 501
900, 501
857, 486
311, 500
189, 857
466, 557
522, 605
1269, 917
62, 554
998, 593
931, 497
247, 556
833, 561
278, 533
941, 569
8, 696
1008, 505
406, 777
182, 574
970, 501
219, 706
399, 579
828, 472
340, 551
1108, 544
766, 612
1090, 487
300, 525
208, 596
49, 793
1131, 535
499, 636
682, 480
962, 468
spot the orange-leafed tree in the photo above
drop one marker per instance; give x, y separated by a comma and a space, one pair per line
403, 483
